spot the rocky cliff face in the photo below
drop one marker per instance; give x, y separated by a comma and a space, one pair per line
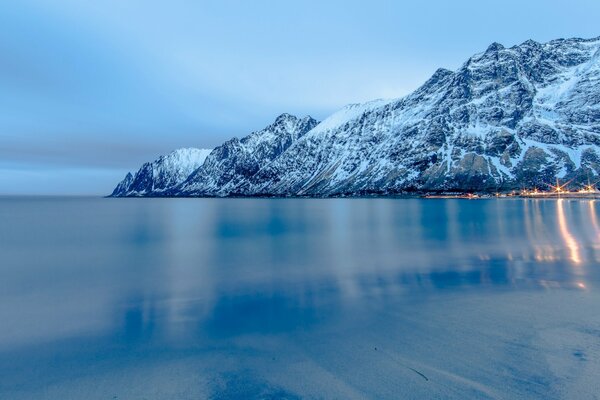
232, 164
162, 174
508, 118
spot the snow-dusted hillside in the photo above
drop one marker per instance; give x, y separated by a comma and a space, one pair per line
233, 163
164, 173
507, 118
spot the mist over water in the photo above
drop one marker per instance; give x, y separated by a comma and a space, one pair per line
298, 298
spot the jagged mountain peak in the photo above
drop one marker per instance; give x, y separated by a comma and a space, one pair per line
285, 127
185, 154
441, 73
163, 173
573, 40
439, 76
494, 48
507, 118
284, 118
286, 123
529, 43
237, 160
480, 128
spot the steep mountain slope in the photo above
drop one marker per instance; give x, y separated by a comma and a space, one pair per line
234, 162
165, 172
507, 118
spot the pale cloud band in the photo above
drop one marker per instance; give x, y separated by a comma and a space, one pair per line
91, 89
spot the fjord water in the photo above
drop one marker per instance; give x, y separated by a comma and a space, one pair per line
299, 298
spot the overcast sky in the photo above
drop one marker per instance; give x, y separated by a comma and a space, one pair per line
91, 89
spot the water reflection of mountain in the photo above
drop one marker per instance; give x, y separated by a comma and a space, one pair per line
195, 293
252, 266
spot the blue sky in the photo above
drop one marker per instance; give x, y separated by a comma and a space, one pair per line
91, 89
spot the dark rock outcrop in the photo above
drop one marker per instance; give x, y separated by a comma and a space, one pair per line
507, 118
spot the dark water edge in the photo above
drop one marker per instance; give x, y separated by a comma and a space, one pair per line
353, 195
298, 298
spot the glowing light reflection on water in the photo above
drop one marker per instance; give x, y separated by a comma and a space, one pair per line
92, 290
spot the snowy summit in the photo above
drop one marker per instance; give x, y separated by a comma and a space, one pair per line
164, 173
507, 118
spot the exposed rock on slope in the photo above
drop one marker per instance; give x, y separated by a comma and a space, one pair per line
508, 118
237, 160
164, 173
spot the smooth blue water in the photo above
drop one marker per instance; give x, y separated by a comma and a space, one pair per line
298, 298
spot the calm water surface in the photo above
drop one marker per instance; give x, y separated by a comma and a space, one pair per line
260, 298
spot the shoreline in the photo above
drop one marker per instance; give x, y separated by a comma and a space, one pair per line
414, 195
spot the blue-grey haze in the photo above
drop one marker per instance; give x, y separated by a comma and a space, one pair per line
92, 89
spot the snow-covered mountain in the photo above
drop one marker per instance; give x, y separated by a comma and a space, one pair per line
164, 173
231, 165
507, 118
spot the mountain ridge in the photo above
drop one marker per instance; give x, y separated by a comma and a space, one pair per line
507, 118
161, 174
